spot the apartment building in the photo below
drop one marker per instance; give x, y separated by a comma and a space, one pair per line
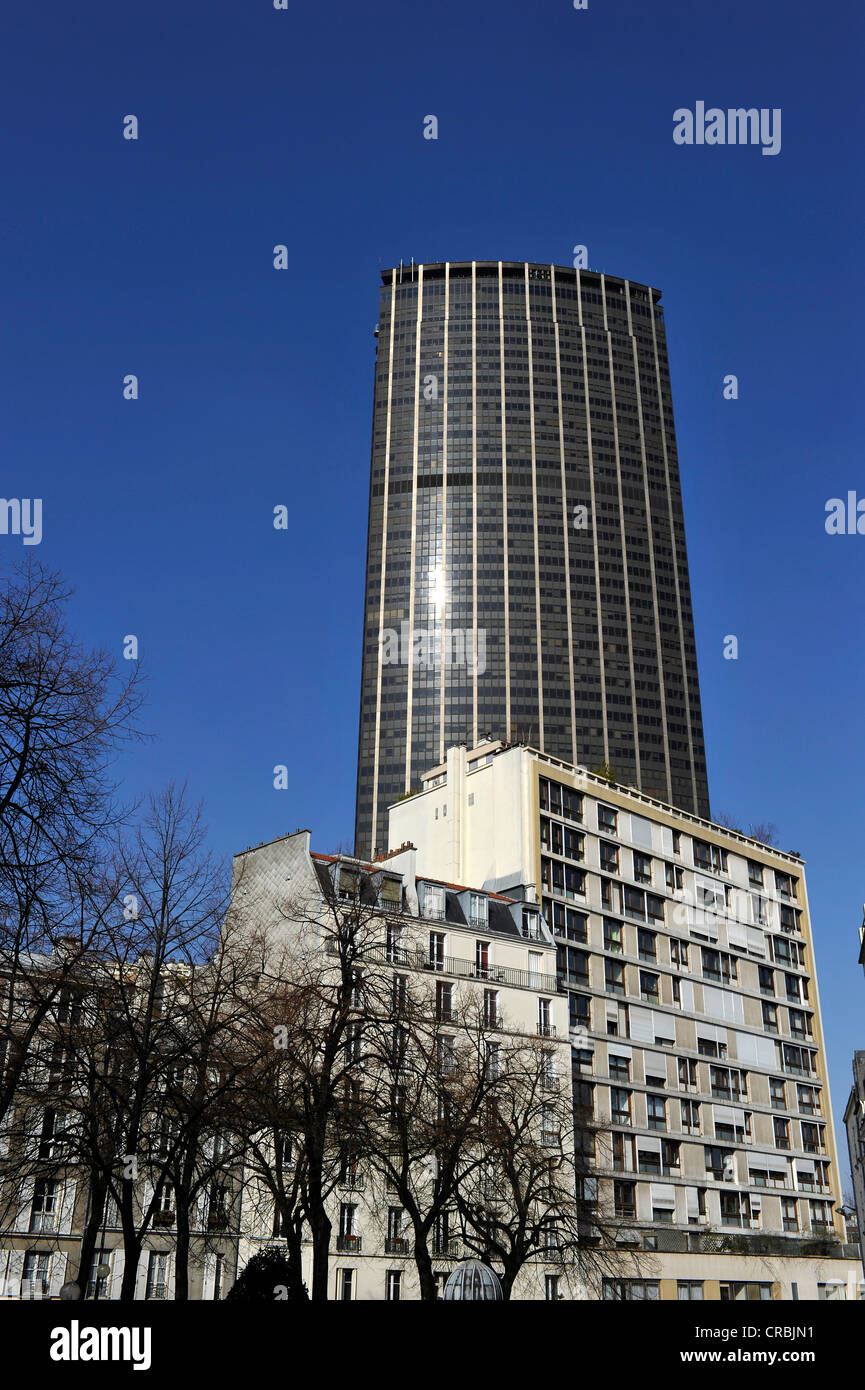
854, 1121
478, 962
46, 1191
685, 951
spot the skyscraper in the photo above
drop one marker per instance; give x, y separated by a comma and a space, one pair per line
527, 575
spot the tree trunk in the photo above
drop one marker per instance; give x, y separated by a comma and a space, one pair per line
423, 1262
90, 1234
321, 1229
181, 1251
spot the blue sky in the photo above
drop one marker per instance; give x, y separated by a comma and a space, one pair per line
304, 127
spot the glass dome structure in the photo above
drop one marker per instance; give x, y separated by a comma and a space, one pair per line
471, 1279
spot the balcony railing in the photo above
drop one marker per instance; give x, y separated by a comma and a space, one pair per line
396, 1245
451, 965
546, 1030
449, 1248
349, 1244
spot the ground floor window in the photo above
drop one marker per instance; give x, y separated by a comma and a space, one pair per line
625, 1289
690, 1290
739, 1290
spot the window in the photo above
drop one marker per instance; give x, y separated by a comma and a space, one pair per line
737, 1290
550, 1132
720, 1163
770, 1018
620, 1106
821, 1217
345, 1285
614, 977
437, 950
482, 960
784, 886
650, 987
613, 936
767, 979
619, 1068
690, 1116
572, 965
45, 1205
674, 877
782, 1133
777, 1093
679, 954
812, 1138
647, 944
623, 1153
445, 1002
711, 857
393, 943
609, 857
689, 1290
735, 1209
551, 1288
628, 1290
808, 1099
396, 1242
478, 910
656, 1112
447, 1055
100, 1270
798, 1060
789, 1214
579, 1011
624, 1197
348, 1238
687, 1073
717, 965
36, 1274
492, 1017
800, 1024
755, 874
728, 1083
793, 988
157, 1275
393, 1285
545, 1025
607, 819
399, 994
642, 868
434, 902
531, 925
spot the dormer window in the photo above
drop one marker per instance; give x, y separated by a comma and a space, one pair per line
478, 910
531, 925
434, 902
348, 883
390, 894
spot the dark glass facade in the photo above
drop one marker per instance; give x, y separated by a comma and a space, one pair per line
527, 574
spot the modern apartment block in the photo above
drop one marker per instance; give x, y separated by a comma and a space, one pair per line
854, 1121
686, 954
527, 573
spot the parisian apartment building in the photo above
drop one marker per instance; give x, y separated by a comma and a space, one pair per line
686, 956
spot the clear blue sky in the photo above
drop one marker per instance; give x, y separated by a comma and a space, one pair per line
304, 127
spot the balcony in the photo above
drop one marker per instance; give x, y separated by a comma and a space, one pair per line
355, 1181
349, 1244
546, 1030
396, 1245
163, 1218
447, 1249
450, 965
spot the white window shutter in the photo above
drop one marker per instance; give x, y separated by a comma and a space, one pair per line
25, 1205
58, 1272
67, 1208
